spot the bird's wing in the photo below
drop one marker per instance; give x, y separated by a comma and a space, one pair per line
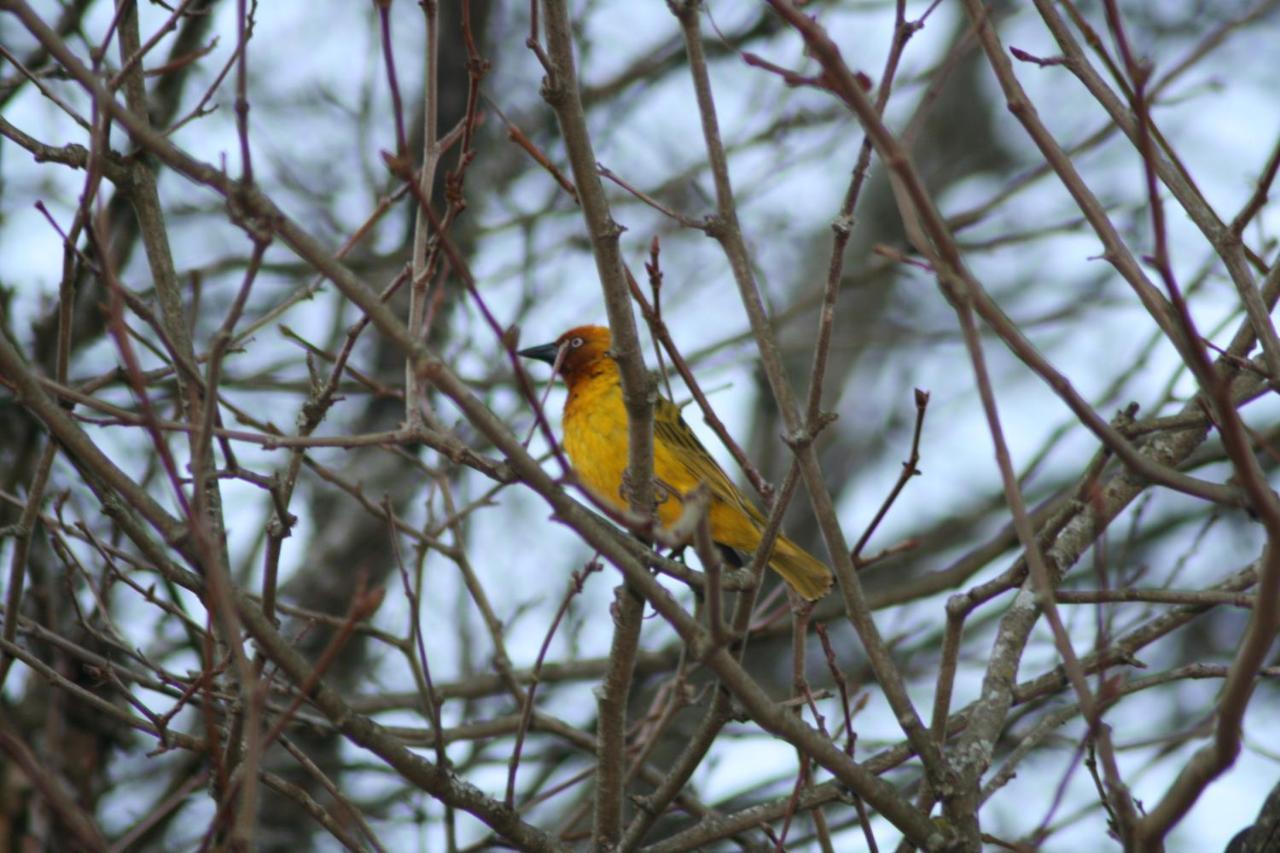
670, 429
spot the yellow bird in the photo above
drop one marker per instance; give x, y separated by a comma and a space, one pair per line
596, 439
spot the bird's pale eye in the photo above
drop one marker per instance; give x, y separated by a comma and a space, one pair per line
575, 342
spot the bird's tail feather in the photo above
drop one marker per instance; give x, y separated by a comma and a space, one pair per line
806, 574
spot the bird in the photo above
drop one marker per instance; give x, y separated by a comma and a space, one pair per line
596, 439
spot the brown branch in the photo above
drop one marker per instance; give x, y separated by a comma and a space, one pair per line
561, 91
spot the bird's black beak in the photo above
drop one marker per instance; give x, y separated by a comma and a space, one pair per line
545, 352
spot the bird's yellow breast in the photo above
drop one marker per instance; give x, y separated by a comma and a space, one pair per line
597, 439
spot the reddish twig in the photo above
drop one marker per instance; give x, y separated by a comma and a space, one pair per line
909, 470
576, 583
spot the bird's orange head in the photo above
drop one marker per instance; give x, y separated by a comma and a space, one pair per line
585, 348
